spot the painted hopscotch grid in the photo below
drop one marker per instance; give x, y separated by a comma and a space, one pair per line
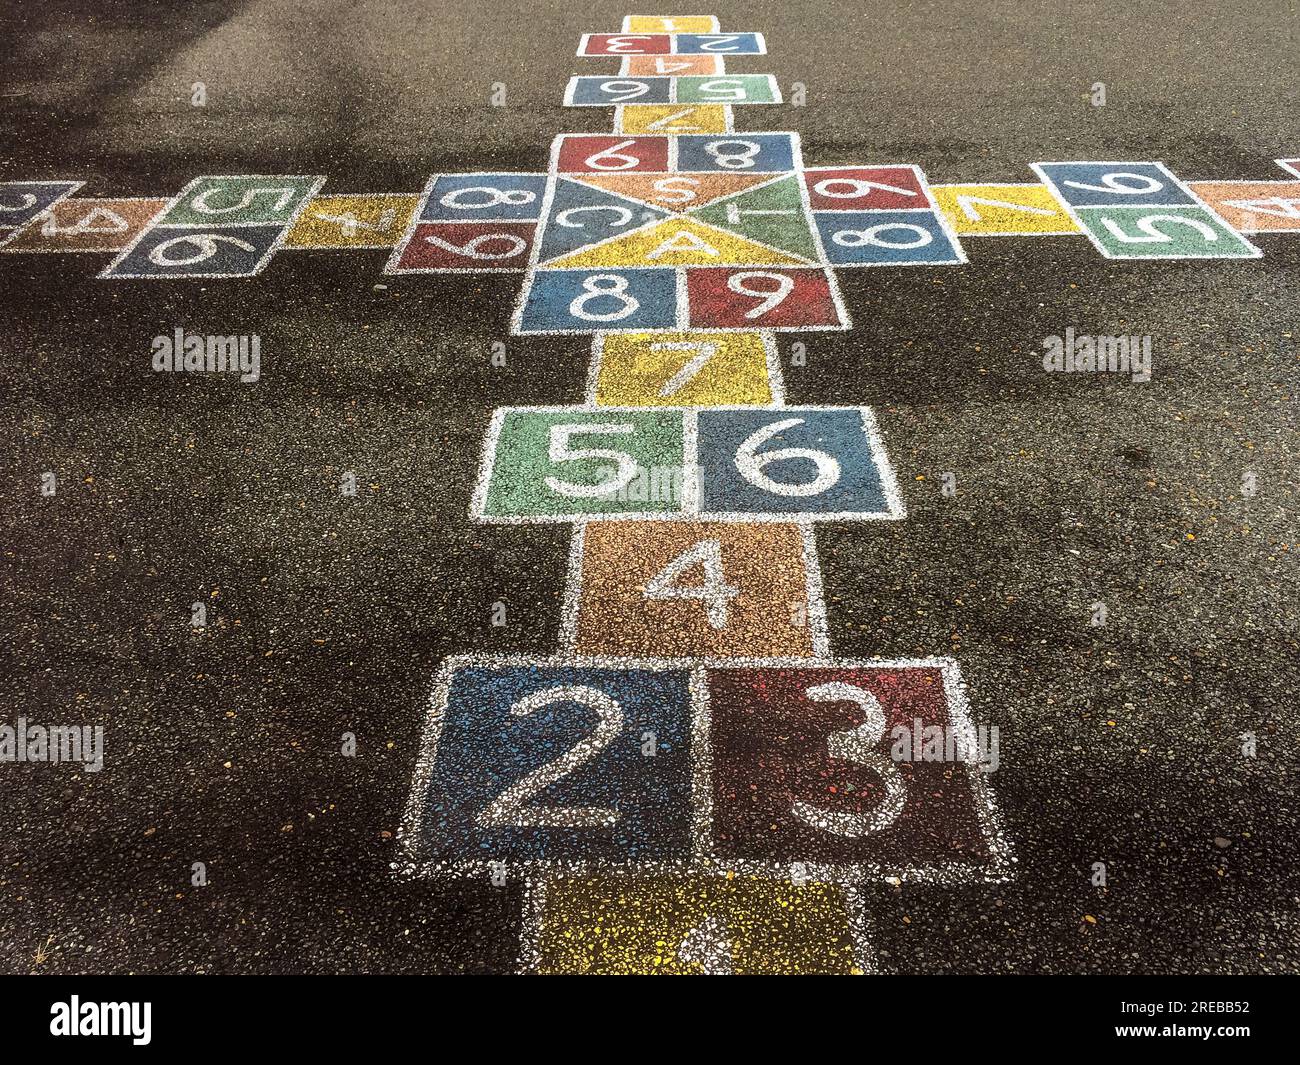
698, 358
735, 90
981, 210
854, 224
1167, 200
515, 224
601, 45
551, 874
872, 460
200, 233
46, 234
33, 199
698, 850
813, 598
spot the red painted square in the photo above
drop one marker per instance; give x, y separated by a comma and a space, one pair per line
859, 188
601, 153
627, 44
771, 745
760, 298
468, 246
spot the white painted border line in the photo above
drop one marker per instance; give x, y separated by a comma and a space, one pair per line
1155, 208
399, 248
1291, 166
8, 232
582, 52
7, 237
998, 869
1012, 185
895, 509
259, 266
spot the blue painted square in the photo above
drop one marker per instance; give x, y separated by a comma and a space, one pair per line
489, 742
485, 198
737, 153
788, 461
607, 92
885, 238
718, 44
581, 214
1114, 184
195, 251
21, 201
587, 301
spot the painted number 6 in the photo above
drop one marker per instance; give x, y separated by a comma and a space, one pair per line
750, 462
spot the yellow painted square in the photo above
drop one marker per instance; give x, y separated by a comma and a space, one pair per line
741, 925
365, 220
1003, 210
683, 370
670, 24
673, 118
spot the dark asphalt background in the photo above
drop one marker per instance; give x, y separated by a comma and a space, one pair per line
330, 614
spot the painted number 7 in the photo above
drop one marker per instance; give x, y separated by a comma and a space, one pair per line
704, 351
861, 746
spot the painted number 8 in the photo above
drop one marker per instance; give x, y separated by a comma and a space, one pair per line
610, 286
495, 197
733, 155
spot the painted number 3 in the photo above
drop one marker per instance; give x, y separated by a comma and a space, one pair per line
861, 746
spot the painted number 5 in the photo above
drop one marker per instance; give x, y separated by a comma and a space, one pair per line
860, 746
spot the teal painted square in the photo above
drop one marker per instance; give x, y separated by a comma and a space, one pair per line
241, 201
1163, 233
538, 472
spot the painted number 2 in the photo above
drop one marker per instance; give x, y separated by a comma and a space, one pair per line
509, 810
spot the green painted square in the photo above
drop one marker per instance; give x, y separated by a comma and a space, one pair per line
640, 472
242, 200
1164, 233
725, 89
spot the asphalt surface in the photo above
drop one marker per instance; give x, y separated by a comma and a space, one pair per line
330, 614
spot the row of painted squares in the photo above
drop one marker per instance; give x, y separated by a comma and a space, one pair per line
849, 770
656, 232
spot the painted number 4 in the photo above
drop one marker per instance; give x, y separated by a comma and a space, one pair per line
714, 592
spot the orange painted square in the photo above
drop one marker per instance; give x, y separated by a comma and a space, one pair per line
763, 563
673, 66
1253, 206
88, 225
